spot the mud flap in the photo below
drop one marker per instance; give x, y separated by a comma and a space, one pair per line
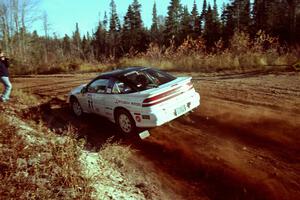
144, 134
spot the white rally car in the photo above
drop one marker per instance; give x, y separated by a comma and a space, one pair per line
135, 97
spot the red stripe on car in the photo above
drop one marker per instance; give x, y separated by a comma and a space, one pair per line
159, 98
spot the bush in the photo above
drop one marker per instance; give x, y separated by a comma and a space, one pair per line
244, 54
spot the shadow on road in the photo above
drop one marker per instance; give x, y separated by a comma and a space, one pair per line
215, 179
56, 115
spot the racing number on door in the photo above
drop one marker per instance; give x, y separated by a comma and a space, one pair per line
90, 102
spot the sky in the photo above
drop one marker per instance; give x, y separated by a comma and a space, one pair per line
64, 14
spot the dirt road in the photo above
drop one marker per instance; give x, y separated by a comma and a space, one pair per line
243, 142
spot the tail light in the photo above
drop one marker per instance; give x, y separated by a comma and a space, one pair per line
166, 95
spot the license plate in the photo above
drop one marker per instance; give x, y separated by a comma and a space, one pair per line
180, 110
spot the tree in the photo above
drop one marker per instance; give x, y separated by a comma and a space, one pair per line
15, 16
133, 34
154, 26
137, 19
85, 46
114, 30
128, 39
260, 14
228, 24
76, 40
292, 16
173, 21
157, 27
66, 46
204, 9
212, 32
100, 41
46, 29
195, 21
276, 17
185, 25
241, 14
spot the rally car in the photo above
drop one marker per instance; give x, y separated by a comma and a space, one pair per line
135, 97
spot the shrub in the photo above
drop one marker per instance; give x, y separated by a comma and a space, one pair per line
244, 54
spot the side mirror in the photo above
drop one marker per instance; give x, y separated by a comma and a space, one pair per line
83, 90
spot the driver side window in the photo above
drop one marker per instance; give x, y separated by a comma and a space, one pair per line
120, 88
98, 86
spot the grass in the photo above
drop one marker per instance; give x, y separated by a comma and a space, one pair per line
243, 54
36, 163
24, 97
48, 168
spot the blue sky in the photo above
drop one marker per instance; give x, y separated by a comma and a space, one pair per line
63, 14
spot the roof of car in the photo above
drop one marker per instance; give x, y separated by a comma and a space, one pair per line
119, 72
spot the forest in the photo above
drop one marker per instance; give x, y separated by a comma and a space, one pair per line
245, 34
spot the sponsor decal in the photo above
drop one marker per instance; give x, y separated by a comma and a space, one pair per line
138, 118
135, 104
122, 102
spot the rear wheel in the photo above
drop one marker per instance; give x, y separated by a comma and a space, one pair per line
125, 122
76, 108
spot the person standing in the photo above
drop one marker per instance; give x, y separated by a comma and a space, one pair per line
4, 77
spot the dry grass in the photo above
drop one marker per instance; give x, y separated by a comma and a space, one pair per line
46, 168
24, 97
243, 54
36, 163
114, 154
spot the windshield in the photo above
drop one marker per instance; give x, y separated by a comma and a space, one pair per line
148, 78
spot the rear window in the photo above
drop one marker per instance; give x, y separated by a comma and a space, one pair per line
148, 78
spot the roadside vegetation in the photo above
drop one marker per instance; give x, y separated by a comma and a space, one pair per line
243, 35
243, 54
38, 163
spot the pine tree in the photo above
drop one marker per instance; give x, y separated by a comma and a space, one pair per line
292, 17
66, 46
85, 48
154, 26
114, 30
196, 21
133, 33
241, 14
137, 19
139, 33
260, 14
228, 23
274, 17
204, 9
105, 21
114, 22
100, 41
155, 31
185, 25
157, 27
212, 32
76, 41
127, 30
173, 21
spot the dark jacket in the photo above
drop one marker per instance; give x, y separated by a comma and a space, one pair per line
4, 64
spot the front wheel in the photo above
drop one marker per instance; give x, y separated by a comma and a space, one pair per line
76, 108
125, 122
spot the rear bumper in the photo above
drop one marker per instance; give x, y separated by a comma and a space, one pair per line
164, 115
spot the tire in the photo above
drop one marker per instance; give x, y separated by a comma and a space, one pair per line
76, 108
125, 122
